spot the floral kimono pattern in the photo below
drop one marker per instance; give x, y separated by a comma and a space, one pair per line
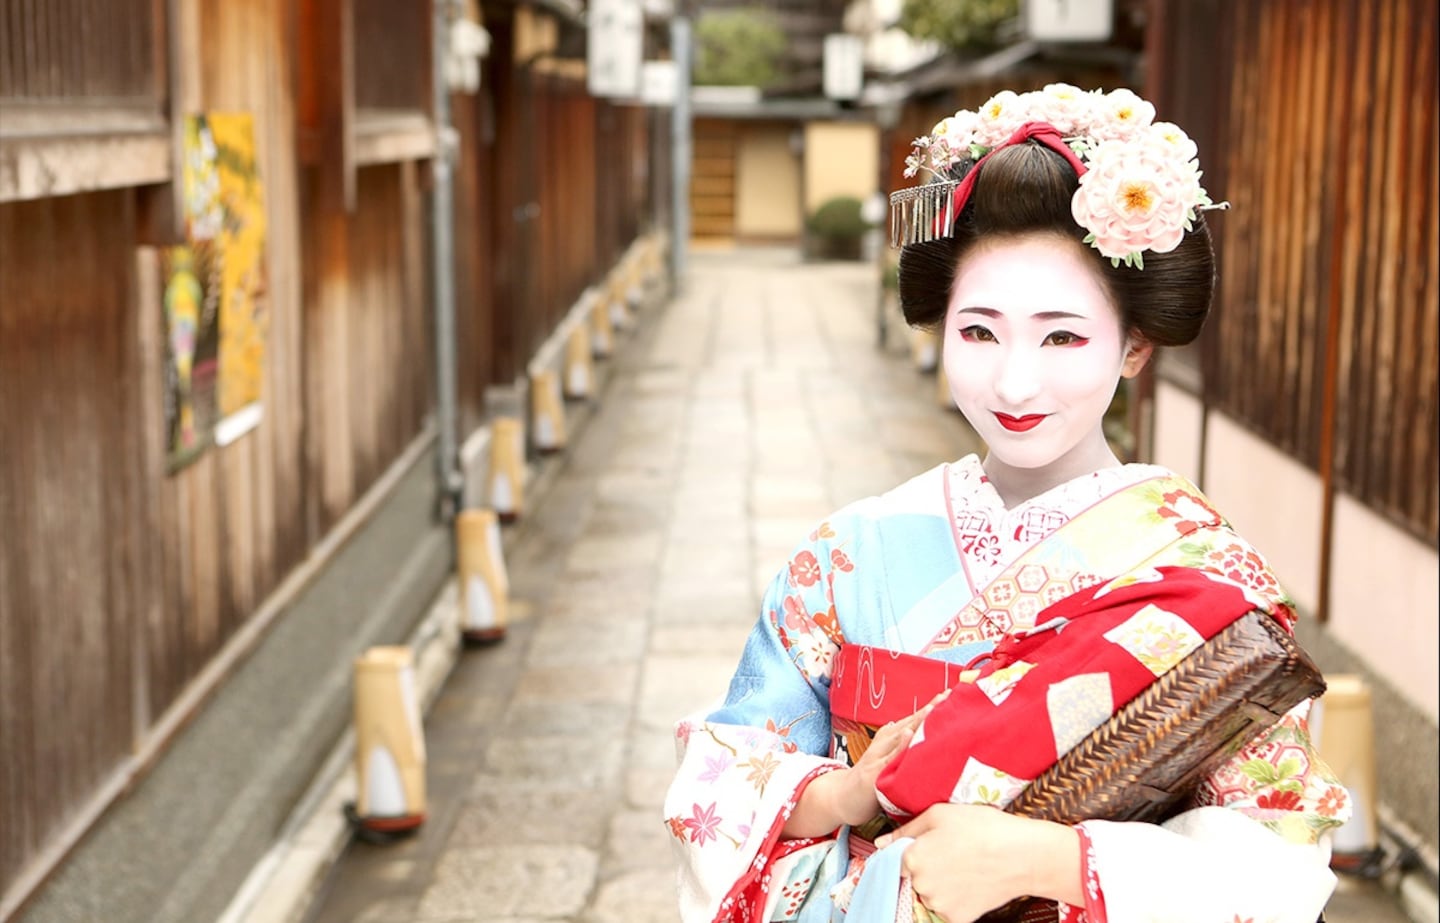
939, 567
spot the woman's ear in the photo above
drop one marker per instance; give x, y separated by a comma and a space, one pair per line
1137, 353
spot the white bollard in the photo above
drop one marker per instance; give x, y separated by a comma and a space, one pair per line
1343, 728
506, 488
389, 742
579, 366
602, 330
480, 570
547, 411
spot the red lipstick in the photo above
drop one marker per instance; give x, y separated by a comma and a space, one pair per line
1020, 424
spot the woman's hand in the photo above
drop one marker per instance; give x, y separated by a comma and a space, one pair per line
889, 742
847, 796
969, 859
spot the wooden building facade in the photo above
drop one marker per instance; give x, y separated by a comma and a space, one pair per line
130, 589
1308, 410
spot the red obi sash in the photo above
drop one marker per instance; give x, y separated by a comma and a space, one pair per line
1039, 693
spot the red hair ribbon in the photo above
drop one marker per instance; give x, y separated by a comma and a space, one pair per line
1043, 132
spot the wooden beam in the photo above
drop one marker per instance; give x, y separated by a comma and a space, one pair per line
327, 99
389, 137
37, 168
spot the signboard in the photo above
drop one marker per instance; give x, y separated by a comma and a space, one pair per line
659, 82
615, 48
844, 66
1069, 20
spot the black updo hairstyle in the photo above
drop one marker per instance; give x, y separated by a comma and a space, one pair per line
1026, 189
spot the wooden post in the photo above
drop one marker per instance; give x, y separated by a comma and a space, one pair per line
326, 101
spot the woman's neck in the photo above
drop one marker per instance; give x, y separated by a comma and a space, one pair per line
1018, 485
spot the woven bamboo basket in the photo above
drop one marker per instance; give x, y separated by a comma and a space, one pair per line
1144, 762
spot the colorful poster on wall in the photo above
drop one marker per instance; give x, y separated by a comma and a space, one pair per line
191, 344
244, 303
215, 303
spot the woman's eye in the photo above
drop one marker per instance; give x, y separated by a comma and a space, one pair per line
976, 334
1065, 338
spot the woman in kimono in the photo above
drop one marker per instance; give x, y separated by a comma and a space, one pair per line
1061, 242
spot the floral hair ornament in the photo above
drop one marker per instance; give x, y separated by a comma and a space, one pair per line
1139, 179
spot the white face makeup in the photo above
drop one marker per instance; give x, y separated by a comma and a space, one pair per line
1033, 351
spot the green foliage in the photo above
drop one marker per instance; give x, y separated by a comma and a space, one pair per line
890, 276
838, 218
963, 25
740, 47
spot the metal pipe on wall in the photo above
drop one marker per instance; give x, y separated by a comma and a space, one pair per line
680, 50
449, 483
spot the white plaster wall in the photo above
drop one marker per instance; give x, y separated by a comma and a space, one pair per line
1385, 601
1178, 420
1271, 499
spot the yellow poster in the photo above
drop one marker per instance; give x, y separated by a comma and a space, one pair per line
244, 314
215, 303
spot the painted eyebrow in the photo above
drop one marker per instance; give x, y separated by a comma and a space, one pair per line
1041, 315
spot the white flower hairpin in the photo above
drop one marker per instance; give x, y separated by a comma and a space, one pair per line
1139, 179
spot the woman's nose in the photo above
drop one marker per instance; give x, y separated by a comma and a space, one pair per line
1018, 379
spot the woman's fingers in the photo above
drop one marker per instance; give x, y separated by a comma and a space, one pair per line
895, 735
920, 715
